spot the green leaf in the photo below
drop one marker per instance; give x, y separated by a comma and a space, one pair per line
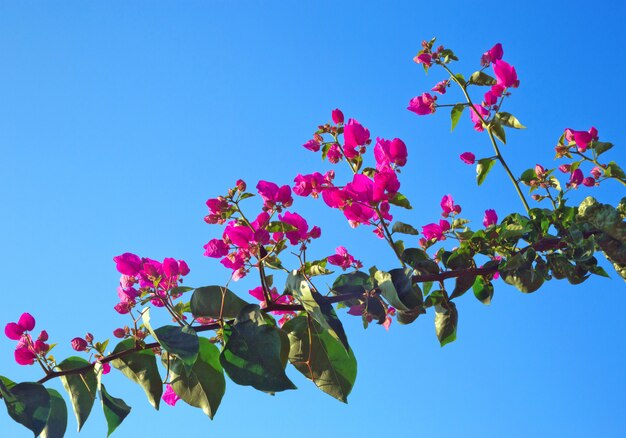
601, 147
462, 285
316, 267
481, 78
82, 388
446, 320
401, 201
483, 290
509, 120
252, 354
524, 278
498, 131
613, 170
401, 227
28, 403
527, 176
215, 302
321, 311
483, 167
182, 342
141, 368
279, 227
455, 114
397, 288
115, 410
57, 419
320, 357
202, 386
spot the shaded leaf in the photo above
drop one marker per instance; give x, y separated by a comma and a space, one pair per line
401, 227
320, 357
481, 78
57, 419
28, 403
483, 290
252, 354
203, 385
509, 120
446, 320
115, 410
182, 342
141, 368
82, 388
401, 201
462, 285
215, 302
498, 131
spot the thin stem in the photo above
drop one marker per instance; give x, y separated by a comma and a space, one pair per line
491, 138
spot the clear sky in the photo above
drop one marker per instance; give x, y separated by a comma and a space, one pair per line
119, 119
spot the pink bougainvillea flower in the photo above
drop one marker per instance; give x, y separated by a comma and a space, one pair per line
490, 218
440, 87
436, 231
183, 268
388, 152
491, 97
106, 368
128, 264
169, 396
360, 189
358, 214
589, 181
448, 206
581, 138
309, 184
334, 153
273, 195
170, 267
468, 157
302, 228
24, 356
386, 185
355, 134
491, 55
216, 248
337, 116
315, 232
15, 330
422, 105
312, 145
505, 74
565, 168
79, 344
424, 58
576, 178
342, 258
476, 120
239, 235
596, 172
335, 197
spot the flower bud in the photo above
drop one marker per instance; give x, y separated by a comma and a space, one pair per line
79, 344
337, 116
241, 185
89, 338
119, 333
43, 336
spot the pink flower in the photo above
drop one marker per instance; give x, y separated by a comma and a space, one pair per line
386, 185
170, 267
15, 330
119, 333
436, 231
589, 182
355, 134
309, 184
360, 189
43, 336
106, 368
169, 396
491, 218
337, 116
484, 113
576, 178
24, 356
389, 151
312, 145
79, 344
216, 248
424, 58
493, 54
342, 258
122, 308
468, 157
565, 168
596, 172
334, 154
422, 105
183, 268
448, 206
440, 87
492, 96
128, 264
302, 228
239, 235
273, 195
581, 138
335, 198
315, 232
505, 74
358, 214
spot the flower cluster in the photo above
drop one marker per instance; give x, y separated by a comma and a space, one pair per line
144, 277
27, 350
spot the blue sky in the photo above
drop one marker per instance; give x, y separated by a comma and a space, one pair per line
118, 120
